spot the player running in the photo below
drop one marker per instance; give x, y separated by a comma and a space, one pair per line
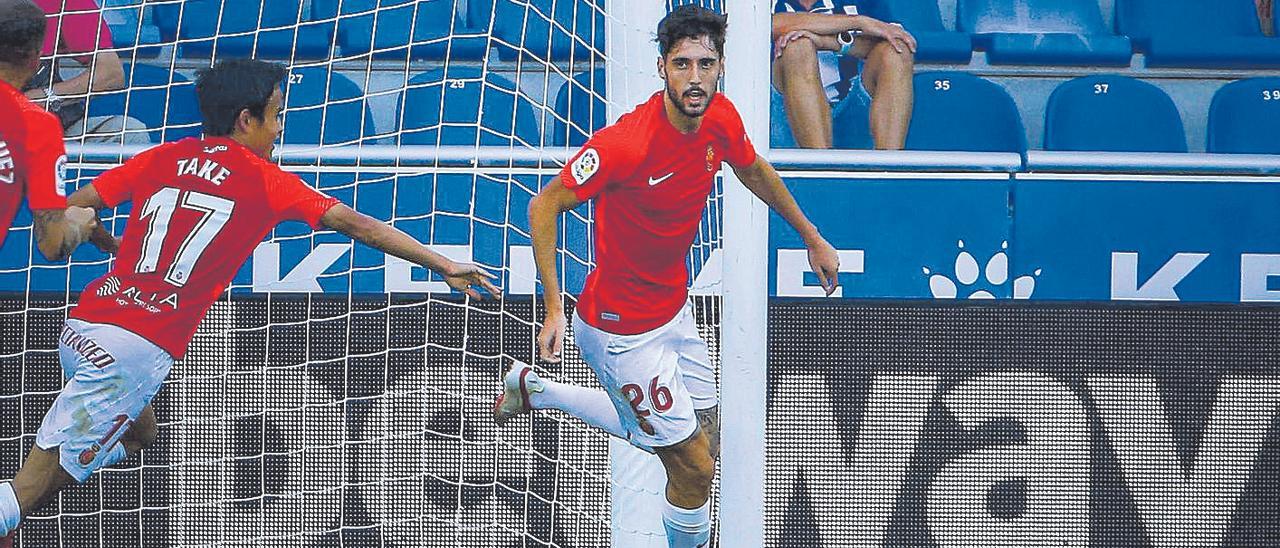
650, 175
200, 208
32, 157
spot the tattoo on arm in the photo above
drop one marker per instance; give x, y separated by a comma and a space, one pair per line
42, 222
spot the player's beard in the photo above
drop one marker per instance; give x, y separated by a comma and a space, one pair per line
679, 102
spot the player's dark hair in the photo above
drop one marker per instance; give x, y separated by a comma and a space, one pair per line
691, 21
230, 87
22, 28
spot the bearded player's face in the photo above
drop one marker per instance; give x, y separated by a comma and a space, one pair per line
691, 69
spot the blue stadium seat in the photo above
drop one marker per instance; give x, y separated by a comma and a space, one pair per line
1114, 114
1038, 32
446, 109
850, 126
1244, 117
162, 99
580, 101
960, 111
132, 31
935, 44
282, 29
400, 29
558, 30
339, 103
1193, 33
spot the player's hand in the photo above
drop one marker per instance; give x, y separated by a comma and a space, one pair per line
105, 242
782, 41
825, 262
551, 337
466, 277
893, 33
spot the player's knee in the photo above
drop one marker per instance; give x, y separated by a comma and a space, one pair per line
695, 474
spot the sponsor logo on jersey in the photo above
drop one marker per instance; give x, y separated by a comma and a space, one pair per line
711, 158
109, 287
585, 166
60, 172
151, 302
6, 164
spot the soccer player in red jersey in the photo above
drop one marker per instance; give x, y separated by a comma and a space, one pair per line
650, 175
201, 206
32, 157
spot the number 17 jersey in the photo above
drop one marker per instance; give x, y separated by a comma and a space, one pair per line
200, 207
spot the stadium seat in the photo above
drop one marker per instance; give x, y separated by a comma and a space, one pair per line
160, 98
400, 29
271, 28
1244, 117
1040, 32
320, 113
1114, 114
556, 30
131, 29
580, 101
1193, 33
962, 112
446, 109
935, 44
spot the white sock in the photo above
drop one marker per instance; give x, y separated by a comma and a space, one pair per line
687, 528
592, 406
10, 514
115, 455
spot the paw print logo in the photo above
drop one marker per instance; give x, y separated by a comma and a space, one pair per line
969, 276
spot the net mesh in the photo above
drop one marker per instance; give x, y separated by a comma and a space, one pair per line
333, 396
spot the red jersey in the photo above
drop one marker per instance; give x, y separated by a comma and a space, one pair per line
650, 184
200, 208
33, 159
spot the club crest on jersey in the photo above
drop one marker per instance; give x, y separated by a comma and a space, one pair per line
711, 158
586, 166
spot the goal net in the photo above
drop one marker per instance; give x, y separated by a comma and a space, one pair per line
335, 396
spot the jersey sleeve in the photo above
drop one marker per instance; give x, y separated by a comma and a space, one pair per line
47, 164
118, 185
293, 200
594, 167
739, 151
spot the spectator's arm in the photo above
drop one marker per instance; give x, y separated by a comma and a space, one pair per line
106, 73
817, 23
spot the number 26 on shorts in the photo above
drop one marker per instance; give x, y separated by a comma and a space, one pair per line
659, 397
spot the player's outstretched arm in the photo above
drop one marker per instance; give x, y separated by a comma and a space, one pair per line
763, 181
87, 197
58, 232
380, 236
544, 214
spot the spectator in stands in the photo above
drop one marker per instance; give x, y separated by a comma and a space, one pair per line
76, 28
817, 48
1266, 16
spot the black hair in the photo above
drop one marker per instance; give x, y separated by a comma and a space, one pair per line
691, 21
232, 86
22, 27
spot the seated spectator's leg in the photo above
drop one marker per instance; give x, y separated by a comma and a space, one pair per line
887, 76
796, 76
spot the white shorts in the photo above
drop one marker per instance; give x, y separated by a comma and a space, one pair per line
112, 374
655, 379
